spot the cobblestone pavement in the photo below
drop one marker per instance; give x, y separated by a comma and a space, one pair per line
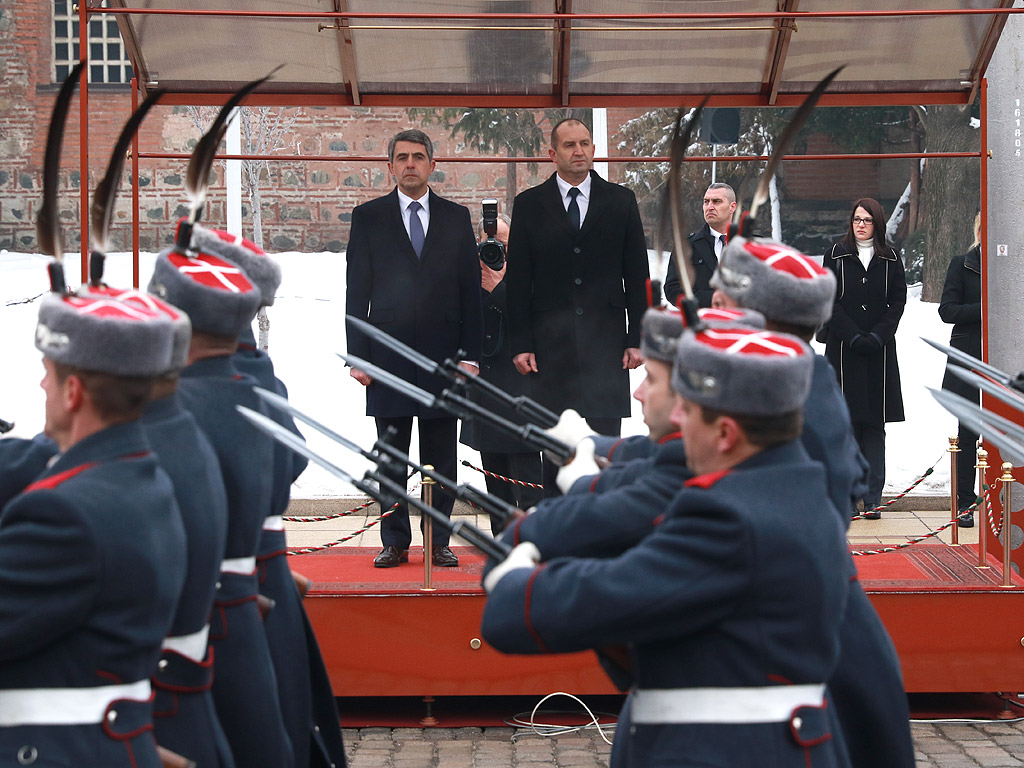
938, 745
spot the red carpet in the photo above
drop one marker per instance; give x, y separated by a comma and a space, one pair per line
937, 567
350, 569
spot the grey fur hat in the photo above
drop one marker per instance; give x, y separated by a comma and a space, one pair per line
743, 371
105, 335
215, 293
660, 334
778, 281
259, 267
181, 325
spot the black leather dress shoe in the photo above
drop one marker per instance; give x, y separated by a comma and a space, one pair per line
444, 557
965, 519
390, 556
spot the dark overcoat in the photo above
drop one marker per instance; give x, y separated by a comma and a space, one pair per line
702, 256
92, 561
496, 367
22, 461
961, 305
736, 586
432, 303
867, 301
576, 299
184, 717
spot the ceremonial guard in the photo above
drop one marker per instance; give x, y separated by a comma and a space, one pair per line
185, 720
221, 301
92, 554
310, 712
731, 605
796, 295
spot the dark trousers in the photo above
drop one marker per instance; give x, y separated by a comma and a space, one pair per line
603, 426
966, 474
871, 439
437, 440
517, 466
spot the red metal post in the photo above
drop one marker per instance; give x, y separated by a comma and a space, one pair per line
83, 131
135, 189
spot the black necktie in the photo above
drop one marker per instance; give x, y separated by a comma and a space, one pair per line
416, 228
574, 209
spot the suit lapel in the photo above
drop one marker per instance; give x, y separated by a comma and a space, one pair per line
552, 200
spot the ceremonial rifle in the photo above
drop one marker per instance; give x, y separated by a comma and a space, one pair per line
385, 487
384, 451
449, 369
464, 408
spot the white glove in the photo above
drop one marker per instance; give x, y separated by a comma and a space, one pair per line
583, 464
571, 428
525, 555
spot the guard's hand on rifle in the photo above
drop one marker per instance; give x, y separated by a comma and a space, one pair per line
583, 464
362, 378
469, 367
525, 555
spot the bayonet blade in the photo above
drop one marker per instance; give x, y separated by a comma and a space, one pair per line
998, 391
971, 362
389, 379
984, 423
416, 358
277, 401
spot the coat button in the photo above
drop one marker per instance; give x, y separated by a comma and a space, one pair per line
863, 307
112, 716
863, 280
578, 281
27, 755
162, 664
579, 311
576, 249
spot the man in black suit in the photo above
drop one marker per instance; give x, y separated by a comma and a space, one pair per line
579, 270
706, 245
413, 272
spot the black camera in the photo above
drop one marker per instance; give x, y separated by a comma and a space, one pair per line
491, 251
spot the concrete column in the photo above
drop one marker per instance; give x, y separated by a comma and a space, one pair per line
1003, 256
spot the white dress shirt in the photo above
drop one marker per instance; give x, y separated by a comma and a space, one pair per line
423, 213
582, 199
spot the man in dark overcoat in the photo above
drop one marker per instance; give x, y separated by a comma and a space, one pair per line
413, 272
576, 285
500, 453
706, 246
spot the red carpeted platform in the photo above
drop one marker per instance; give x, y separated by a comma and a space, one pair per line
382, 634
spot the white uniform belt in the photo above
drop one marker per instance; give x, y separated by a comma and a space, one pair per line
768, 704
65, 706
273, 523
242, 565
193, 645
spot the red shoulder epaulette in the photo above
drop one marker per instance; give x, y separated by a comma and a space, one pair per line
706, 481
48, 483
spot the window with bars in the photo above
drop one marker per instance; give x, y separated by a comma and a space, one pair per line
107, 60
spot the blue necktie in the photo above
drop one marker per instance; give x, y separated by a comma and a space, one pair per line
574, 209
416, 228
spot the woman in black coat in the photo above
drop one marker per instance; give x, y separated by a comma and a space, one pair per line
961, 306
871, 292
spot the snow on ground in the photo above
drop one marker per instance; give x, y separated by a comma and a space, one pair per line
307, 331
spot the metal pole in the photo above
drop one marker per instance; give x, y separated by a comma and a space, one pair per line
954, 456
981, 513
428, 531
1007, 480
135, 190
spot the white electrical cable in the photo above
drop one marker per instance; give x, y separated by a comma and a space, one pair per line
552, 729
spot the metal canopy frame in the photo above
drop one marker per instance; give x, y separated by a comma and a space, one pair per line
779, 49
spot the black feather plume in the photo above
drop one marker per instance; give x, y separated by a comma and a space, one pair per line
48, 221
198, 173
102, 210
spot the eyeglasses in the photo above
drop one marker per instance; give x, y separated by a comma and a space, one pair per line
859, 220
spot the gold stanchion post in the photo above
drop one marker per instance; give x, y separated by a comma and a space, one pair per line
428, 532
981, 513
1007, 493
954, 457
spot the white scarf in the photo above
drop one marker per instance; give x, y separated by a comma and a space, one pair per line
865, 250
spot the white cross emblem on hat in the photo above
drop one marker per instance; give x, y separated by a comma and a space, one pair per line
213, 272
109, 308
743, 342
785, 259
